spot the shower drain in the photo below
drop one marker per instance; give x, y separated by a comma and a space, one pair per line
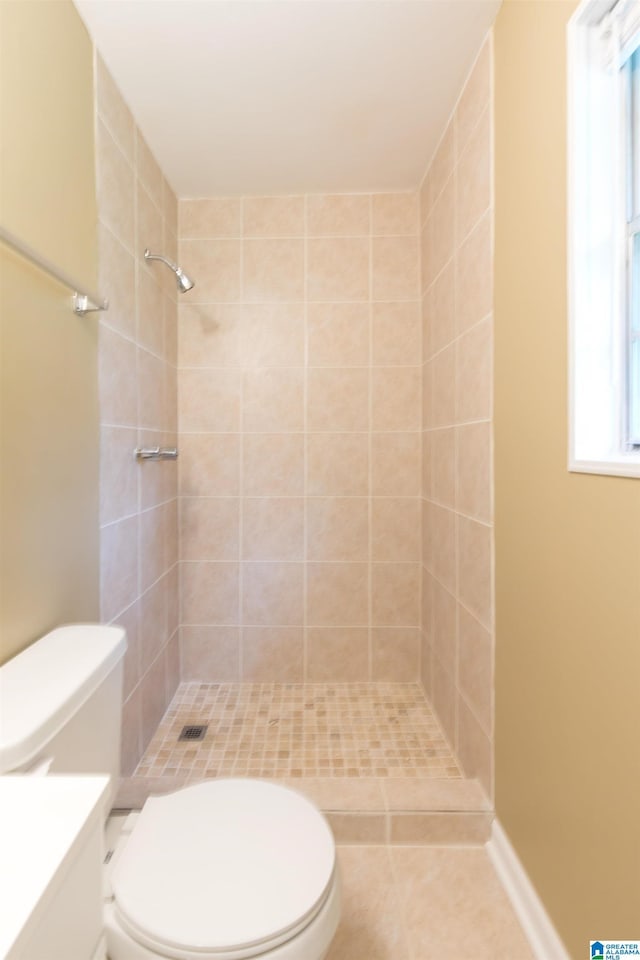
193, 731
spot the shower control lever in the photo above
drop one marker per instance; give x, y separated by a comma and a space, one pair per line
156, 453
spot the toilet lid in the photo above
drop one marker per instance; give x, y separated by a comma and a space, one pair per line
223, 868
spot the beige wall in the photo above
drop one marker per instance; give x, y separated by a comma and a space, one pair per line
567, 545
48, 383
299, 383
457, 592
138, 506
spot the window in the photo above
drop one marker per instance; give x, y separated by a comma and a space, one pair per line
604, 237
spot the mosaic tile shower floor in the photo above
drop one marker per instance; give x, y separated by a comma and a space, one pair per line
301, 730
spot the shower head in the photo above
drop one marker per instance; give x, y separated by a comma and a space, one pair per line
183, 281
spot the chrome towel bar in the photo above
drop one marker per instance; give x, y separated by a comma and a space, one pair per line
83, 302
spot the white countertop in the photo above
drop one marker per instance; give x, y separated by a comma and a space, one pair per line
42, 819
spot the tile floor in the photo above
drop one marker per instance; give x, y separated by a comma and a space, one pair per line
301, 730
424, 903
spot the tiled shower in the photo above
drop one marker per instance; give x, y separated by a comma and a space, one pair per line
328, 385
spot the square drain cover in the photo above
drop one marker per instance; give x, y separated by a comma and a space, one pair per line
193, 731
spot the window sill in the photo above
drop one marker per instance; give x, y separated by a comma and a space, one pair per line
628, 466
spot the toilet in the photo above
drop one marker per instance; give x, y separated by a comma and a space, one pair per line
220, 870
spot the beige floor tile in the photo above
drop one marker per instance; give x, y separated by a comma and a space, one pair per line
454, 907
370, 927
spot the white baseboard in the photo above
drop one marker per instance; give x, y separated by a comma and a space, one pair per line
539, 930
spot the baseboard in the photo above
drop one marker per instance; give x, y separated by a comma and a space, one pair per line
536, 923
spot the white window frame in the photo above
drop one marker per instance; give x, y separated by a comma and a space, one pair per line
600, 34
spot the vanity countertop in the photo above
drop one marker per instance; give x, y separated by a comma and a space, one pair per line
44, 822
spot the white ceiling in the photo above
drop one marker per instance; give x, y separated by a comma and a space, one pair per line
287, 96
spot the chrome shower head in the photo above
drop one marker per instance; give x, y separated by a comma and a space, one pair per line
184, 282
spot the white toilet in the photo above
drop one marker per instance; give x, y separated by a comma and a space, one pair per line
221, 870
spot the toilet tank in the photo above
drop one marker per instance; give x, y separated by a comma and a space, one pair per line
60, 703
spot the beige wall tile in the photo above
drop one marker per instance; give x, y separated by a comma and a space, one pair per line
395, 589
443, 466
215, 266
273, 465
395, 404
272, 594
475, 750
118, 474
149, 172
443, 699
395, 528
472, 829
476, 668
474, 178
210, 654
338, 215
396, 334
475, 97
443, 161
273, 528
150, 333
209, 465
338, 334
394, 214
474, 366
149, 233
395, 654
272, 335
337, 400
209, 402
153, 623
210, 593
395, 268
113, 111
117, 281
395, 464
475, 568
118, 380
209, 335
444, 387
442, 313
337, 594
272, 654
209, 528
426, 197
151, 393
273, 399
452, 795
442, 545
118, 567
273, 216
338, 269
337, 528
131, 746
444, 228
444, 627
273, 270
152, 530
473, 464
337, 464
115, 187
369, 828
337, 654
474, 276
210, 217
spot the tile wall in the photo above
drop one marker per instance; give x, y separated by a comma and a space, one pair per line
300, 435
457, 299
137, 374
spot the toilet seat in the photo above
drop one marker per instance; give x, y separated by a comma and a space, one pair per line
223, 870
